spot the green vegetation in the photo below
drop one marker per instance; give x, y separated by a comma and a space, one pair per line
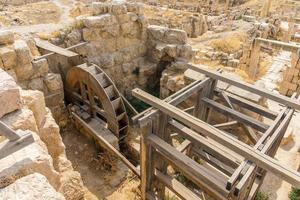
261, 196
294, 194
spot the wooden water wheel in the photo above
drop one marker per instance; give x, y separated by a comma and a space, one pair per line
90, 88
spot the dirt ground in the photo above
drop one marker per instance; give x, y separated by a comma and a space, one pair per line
96, 171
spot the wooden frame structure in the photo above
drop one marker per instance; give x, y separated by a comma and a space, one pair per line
15, 141
256, 46
232, 168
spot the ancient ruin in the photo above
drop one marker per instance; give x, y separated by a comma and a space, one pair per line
149, 99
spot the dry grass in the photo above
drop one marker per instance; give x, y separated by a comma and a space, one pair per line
229, 44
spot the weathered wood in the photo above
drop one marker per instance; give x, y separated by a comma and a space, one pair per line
244, 103
145, 161
8, 132
236, 115
248, 152
217, 150
183, 146
107, 145
283, 45
201, 176
175, 186
226, 125
246, 86
8, 147
174, 99
56, 49
68, 48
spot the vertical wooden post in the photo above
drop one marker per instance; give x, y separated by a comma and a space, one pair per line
163, 132
200, 108
254, 59
145, 160
266, 8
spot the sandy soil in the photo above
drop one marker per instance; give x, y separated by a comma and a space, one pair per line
96, 169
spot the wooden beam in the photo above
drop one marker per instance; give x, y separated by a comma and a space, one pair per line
174, 99
175, 186
262, 160
284, 45
219, 151
107, 145
249, 105
8, 132
56, 49
246, 86
226, 125
53, 53
204, 178
8, 147
236, 115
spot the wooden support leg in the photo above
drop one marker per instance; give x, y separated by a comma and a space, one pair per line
254, 60
200, 110
145, 161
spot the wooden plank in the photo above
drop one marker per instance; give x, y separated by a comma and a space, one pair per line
249, 105
226, 125
260, 126
275, 43
251, 88
262, 160
8, 132
107, 145
183, 146
249, 131
219, 151
174, 99
264, 137
277, 136
175, 186
56, 49
201, 176
8, 147
145, 161
68, 48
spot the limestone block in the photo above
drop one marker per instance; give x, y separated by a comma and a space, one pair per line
137, 8
32, 187
36, 84
6, 37
166, 35
24, 71
34, 100
118, 8
33, 48
32, 158
53, 82
73, 38
40, 67
99, 21
12, 73
22, 119
49, 134
23, 52
9, 57
71, 185
99, 8
9, 94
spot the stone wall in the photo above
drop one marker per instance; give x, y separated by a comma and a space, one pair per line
26, 111
291, 77
18, 58
194, 24
18, 2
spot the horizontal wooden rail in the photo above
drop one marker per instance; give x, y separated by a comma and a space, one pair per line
249, 105
262, 160
260, 126
249, 87
175, 186
200, 175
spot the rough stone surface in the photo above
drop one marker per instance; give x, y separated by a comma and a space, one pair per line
31, 187
35, 101
33, 158
8, 57
9, 94
53, 82
6, 37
